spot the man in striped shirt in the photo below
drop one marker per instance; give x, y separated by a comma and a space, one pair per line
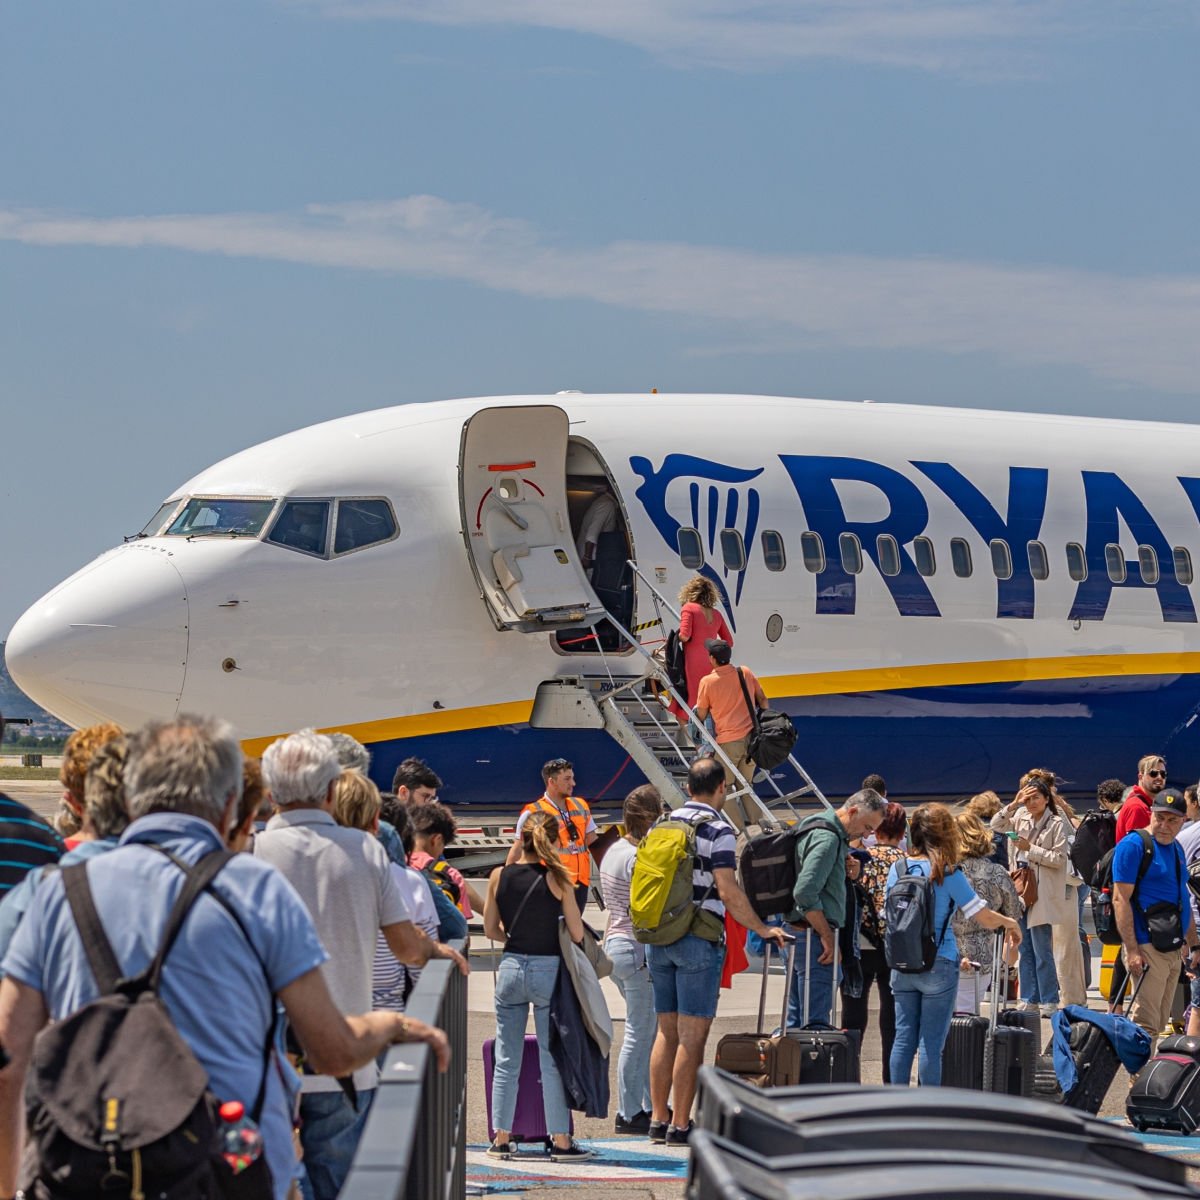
687, 973
26, 841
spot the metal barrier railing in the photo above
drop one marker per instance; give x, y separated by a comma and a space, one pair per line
414, 1144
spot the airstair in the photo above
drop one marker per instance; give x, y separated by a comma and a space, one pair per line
632, 708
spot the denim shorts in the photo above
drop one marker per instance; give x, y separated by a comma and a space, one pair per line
686, 976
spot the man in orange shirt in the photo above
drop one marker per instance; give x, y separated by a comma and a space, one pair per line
720, 693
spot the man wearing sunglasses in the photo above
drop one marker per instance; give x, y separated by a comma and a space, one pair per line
1135, 812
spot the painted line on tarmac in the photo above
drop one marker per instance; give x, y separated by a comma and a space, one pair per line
616, 1161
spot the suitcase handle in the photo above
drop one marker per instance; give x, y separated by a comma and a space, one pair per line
790, 974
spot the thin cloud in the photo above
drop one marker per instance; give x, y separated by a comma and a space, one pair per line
976, 37
1143, 331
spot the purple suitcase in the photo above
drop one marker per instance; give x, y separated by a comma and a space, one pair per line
529, 1121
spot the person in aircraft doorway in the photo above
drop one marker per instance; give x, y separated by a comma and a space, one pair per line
576, 827
600, 517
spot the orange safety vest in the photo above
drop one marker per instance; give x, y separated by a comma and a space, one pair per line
572, 834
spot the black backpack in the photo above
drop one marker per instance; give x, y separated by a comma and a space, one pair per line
116, 1102
1103, 915
909, 943
673, 662
768, 866
1094, 838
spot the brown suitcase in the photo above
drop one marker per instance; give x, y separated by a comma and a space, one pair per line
760, 1058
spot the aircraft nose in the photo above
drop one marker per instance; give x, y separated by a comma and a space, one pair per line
108, 644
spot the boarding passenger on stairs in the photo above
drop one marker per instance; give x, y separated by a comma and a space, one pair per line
720, 693
699, 623
343, 877
1154, 915
1135, 809
819, 900
576, 827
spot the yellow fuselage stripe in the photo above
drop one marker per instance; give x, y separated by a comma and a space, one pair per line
821, 683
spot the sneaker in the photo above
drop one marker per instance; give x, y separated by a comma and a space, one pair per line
657, 1131
501, 1150
572, 1153
1048, 1010
1026, 1006
679, 1137
638, 1124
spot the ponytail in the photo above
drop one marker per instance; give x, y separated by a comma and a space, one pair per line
539, 837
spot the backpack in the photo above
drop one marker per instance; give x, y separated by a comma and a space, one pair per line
662, 903
438, 873
673, 662
1094, 838
909, 943
117, 1104
773, 735
1103, 915
768, 867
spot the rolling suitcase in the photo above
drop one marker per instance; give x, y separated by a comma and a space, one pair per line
827, 1054
963, 1053
759, 1058
1096, 1059
1167, 1092
529, 1120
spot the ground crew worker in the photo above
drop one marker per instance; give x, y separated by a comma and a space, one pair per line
576, 829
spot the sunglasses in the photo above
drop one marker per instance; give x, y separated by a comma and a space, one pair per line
1156, 774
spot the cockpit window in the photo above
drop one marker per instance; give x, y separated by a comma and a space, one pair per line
362, 523
156, 522
212, 516
302, 525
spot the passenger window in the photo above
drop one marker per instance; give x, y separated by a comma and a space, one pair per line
850, 549
813, 551
691, 548
774, 554
1001, 558
1114, 559
925, 558
362, 523
889, 554
302, 525
1039, 560
1148, 564
1076, 562
733, 550
1183, 566
960, 557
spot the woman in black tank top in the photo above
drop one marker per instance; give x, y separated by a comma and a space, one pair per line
524, 904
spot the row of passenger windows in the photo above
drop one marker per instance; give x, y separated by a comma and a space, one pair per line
302, 525
887, 549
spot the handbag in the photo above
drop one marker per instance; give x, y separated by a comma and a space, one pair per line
593, 949
773, 734
1024, 879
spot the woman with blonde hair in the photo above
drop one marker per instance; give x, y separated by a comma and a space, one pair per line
699, 621
925, 1000
991, 882
1038, 835
525, 901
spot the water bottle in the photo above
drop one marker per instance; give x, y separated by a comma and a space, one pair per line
241, 1141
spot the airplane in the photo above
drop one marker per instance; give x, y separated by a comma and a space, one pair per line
944, 596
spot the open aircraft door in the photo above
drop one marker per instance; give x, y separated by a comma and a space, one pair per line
512, 488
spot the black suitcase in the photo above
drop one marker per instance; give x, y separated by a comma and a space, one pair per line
827, 1054
1167, 1092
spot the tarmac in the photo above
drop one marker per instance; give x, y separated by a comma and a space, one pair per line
628, 1167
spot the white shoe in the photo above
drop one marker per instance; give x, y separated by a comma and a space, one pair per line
1047, 1010
1026, 1006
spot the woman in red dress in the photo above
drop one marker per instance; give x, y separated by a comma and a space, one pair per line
699, 620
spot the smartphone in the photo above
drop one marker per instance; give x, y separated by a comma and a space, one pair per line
1013, 835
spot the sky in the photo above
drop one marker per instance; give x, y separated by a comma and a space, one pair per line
220, 221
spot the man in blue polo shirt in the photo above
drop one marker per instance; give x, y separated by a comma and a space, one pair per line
1162, 893
183, 783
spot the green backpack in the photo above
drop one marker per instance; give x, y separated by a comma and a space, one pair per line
662, 905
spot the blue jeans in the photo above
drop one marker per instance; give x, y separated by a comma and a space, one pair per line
329, 1132
1039, 977
820, 983
522, 980
686, 976
924, 1006
632, 976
